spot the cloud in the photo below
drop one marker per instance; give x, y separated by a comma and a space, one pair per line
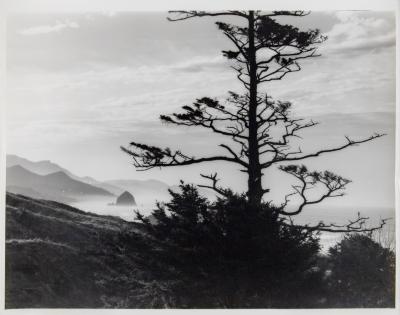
199, 70
199, 64
45, 29
356, 72
341, 83
361, 31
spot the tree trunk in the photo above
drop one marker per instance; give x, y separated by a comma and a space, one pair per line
254, 192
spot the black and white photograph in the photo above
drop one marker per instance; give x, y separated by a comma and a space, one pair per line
199, 159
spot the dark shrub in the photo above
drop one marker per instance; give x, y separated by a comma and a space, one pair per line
363, 273
227, 254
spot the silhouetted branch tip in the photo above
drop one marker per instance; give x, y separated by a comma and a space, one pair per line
357, 225
214, 180
348, 143
333, 186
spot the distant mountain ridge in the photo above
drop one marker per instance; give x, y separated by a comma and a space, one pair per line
23, 181
46, 167
57, 186
48, 180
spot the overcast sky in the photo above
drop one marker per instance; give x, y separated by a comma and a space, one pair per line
82, 84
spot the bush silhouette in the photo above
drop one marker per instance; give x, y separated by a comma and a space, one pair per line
363, 273
227, 253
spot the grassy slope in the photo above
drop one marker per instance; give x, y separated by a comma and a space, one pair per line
59, 256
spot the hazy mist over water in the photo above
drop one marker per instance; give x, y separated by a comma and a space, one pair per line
105, 206
311, 216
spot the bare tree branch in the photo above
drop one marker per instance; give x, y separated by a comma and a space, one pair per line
184, 15
357, 225
348, 144
199, 115
333, 186
214, 180
147, 157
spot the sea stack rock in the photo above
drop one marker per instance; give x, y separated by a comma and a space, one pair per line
126, 199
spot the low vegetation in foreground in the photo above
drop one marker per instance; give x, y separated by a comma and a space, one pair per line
190, 253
